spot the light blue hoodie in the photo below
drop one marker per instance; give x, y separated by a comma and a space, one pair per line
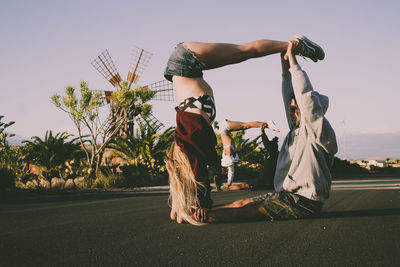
306, 155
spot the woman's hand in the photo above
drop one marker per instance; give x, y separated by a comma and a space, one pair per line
200, 214
294, 47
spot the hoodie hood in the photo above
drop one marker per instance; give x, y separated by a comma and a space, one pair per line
322, 100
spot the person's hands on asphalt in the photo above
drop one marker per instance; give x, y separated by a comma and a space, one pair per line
175, 217
200, 214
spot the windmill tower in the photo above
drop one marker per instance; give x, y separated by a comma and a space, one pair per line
139, 59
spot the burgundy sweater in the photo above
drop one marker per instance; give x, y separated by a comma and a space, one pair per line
197, 140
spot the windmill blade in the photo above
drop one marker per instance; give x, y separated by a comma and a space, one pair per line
149, 121
164, 90
106, 67
138, 62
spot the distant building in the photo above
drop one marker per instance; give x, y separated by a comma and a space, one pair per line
377, 163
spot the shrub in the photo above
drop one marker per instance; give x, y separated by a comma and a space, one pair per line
52, 153
344, 168
135, 175
145, 151
138, 175
111, 180
7, 179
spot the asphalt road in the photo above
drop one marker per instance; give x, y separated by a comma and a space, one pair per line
359, 227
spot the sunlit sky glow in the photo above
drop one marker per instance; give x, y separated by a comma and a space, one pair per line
48, 45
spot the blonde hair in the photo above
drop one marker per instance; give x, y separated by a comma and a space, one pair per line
182, 184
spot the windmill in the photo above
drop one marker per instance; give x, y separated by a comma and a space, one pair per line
139, 59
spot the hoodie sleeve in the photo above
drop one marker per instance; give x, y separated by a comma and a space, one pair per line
312, 105
287, 89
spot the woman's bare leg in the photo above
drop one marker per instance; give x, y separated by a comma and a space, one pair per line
238, 211
236, 204
249, 212
227, 141
215, 55
239, 125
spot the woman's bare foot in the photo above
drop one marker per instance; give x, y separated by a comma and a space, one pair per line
225, 187
244, 186
235, 187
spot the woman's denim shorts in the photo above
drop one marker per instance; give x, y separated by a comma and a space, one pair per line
184, 63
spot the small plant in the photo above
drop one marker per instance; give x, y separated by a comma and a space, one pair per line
145, 151
112, 180
75, 168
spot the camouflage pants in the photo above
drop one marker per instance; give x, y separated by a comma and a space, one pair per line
285, 205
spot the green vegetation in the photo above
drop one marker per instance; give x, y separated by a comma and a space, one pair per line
54, 154
343, 168
61, 160
143, 156
100, 157
112, 180
84, 111
250, 151
7, 157
145, 150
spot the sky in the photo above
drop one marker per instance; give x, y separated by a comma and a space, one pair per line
46, 46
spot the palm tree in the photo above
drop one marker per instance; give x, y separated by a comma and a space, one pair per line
146, 149
51, 153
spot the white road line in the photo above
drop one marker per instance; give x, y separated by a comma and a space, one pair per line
366, 184
367, 181
364, 188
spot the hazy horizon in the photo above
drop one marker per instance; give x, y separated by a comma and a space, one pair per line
357, 145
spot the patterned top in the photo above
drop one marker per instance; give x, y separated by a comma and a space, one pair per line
205, 103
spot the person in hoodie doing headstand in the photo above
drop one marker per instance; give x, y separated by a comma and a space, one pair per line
230, 155
302, 178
